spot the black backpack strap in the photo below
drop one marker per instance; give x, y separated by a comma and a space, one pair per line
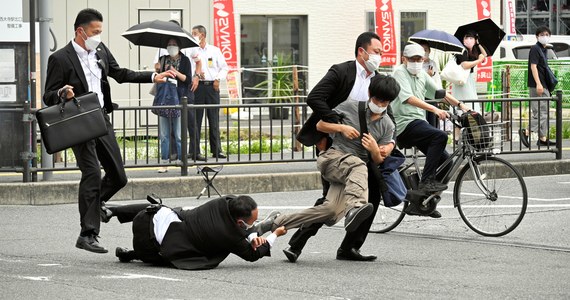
372, 167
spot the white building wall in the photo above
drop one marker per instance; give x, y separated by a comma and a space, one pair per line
333, 25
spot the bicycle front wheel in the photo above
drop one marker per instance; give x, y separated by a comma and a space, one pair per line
491, 197
388, 218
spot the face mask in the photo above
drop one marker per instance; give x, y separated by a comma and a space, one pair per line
172, 50
543, 39
469, 43
196, 37
414, 67
375, 108
373, 61
92, 42
247, 226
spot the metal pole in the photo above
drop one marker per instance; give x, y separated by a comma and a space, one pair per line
184, 136
32, 54
559, 124
45, 17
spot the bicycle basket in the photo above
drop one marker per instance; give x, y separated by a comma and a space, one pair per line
484, 137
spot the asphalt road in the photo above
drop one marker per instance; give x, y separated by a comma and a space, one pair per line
427, 258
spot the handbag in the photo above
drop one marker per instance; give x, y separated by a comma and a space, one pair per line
71, 123
166, 94
454, 73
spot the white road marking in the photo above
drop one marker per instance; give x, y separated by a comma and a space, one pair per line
35, 278
139, 276
49, 265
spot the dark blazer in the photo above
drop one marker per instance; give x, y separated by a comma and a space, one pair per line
206, 236
64, 68
333, 89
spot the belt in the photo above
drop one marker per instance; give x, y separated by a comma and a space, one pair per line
207, 82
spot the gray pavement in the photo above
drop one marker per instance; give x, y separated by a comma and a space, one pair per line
422, 258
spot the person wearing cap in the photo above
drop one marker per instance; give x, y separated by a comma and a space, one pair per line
409, 110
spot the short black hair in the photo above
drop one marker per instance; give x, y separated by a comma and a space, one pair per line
241, 207
200, 28
542, 29
383, 87
364, 40
86, 16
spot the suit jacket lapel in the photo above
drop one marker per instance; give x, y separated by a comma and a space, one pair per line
72, 55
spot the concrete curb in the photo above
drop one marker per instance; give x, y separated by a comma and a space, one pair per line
47, 193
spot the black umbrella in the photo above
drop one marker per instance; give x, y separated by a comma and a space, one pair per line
438, 39
157, 33
490, 35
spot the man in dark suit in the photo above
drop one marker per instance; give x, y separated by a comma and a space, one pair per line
81, 66
344, 80
196, 239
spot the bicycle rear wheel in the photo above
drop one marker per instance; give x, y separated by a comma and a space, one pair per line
501, 208
388, 218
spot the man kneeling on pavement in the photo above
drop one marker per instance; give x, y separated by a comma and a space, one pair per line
196, 239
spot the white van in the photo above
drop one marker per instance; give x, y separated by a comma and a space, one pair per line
558, 48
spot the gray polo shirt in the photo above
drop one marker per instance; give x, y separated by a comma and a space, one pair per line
381, 129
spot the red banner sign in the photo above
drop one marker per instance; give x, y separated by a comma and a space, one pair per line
225, 39
484, 69
384, 15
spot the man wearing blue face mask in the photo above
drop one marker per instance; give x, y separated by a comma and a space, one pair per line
410, 112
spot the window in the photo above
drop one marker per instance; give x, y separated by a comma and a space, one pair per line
266, 38
410, 23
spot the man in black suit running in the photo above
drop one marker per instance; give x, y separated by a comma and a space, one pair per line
81, 66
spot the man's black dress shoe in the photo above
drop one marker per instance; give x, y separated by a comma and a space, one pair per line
199, 157
435, 214
219, 155
545, 143
90, 243
524, 138
356, 216
353, 254
292, 255
125, 255
106, 214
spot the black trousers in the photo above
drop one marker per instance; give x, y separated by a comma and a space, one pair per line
205, 94
94, 190
145, 246
193, 129
353, 239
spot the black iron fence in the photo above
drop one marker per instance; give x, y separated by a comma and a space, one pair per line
254, 133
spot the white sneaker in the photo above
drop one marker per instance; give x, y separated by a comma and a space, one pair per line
163, 170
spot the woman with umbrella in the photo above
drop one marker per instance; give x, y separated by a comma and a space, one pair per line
169, 119
469, 59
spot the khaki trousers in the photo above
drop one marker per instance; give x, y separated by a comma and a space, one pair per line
348, 177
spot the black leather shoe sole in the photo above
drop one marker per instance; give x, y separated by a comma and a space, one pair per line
359, 216
354, 255
122, 254
291, 255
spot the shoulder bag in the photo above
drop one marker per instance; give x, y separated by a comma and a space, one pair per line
71, 123
551, 80
454, 73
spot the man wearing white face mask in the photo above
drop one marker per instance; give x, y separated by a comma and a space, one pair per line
84, 65
346, 80
410, 113
538, 87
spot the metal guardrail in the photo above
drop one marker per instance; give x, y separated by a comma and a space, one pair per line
249, 135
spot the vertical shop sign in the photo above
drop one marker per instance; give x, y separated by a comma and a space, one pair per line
225, 39
484, 69
384, 15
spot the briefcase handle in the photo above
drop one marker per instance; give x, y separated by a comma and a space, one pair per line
62, 100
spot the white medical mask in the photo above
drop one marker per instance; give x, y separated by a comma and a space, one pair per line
415, 67
92, 42
375, 108
373, 61
246, 226
196, 37
544, 39
172, 50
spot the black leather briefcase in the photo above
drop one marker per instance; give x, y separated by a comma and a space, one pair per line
71, 123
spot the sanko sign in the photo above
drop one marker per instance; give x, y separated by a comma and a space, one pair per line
384, 15
224, 28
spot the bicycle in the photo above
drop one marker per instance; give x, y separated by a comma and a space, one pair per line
489, 192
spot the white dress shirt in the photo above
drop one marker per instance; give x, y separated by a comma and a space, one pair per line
360, 89
214, 64
91, 70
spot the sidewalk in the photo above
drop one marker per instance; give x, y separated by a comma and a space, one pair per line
233, 179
